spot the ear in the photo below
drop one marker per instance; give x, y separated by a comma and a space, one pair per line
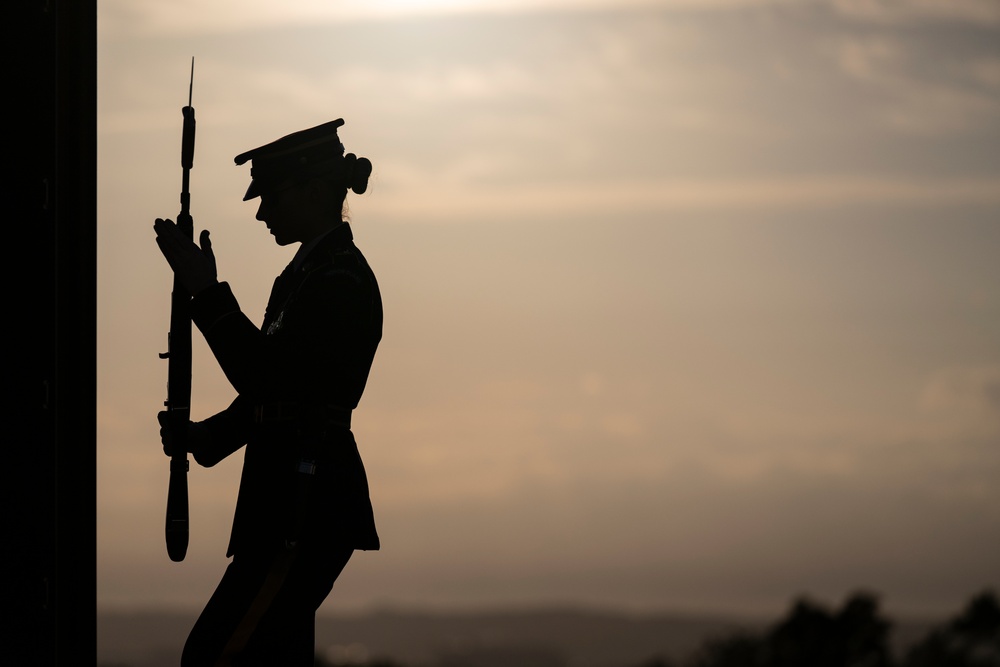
321, 191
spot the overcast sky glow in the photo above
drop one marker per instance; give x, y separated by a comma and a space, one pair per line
688, 305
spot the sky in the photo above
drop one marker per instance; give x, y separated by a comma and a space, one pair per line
689, 305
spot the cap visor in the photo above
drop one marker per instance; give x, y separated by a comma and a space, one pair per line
252, 192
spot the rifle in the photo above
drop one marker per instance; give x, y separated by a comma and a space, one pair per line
178, 356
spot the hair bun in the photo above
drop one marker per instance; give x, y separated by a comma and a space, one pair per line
356, 172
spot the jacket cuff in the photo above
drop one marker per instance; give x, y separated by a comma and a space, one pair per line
212, 304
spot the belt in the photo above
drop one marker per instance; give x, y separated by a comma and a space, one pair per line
280, 411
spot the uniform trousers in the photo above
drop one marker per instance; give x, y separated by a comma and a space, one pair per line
263, 612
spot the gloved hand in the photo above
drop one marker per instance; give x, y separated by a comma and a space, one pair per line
197, 434
194, 265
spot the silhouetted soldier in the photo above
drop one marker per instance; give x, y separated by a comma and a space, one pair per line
303, 504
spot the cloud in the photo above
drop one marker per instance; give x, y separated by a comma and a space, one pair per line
191, 17
407, 197
128, 18
892, 11
966, 391
925, 86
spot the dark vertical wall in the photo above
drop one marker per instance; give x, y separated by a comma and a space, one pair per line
49, 433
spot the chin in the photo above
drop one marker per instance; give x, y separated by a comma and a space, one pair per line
280, 239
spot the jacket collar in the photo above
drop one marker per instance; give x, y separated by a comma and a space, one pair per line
339, 235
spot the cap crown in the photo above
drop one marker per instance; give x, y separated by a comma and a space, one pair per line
312, 152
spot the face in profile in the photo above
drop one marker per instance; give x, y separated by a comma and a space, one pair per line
281, 211
297, 212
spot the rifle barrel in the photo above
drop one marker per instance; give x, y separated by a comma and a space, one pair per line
178, 356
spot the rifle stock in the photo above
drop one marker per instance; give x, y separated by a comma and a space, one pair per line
178, 356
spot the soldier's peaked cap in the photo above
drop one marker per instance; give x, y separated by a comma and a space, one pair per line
313, 152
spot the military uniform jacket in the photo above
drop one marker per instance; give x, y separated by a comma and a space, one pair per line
297, 376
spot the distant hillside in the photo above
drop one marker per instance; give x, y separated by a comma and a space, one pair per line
554, 638
578, 638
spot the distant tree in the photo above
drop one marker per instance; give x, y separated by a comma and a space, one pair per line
805, 637
809, 636
863, 634
972, 639
741, 650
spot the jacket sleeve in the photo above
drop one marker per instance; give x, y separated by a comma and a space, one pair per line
223, 433
322, 333
236, 342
